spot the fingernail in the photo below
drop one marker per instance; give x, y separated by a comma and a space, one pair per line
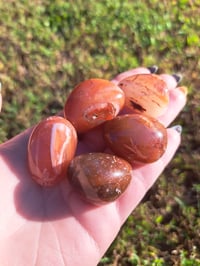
178, 77
0, 86
153, 69
183, 89
178, 128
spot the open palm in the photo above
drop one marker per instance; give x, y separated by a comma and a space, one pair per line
53, 226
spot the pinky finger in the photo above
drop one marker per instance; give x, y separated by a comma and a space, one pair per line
134, 71
176, 104
145, 177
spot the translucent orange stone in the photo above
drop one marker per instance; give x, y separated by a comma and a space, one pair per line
145, 93
51, 147
136, 137
98, 177
92, 102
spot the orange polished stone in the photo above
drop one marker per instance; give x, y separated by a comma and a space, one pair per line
51, 147
98, 177
92, 102
136, 138
145, 93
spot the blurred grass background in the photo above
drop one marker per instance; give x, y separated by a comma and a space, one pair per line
47, 47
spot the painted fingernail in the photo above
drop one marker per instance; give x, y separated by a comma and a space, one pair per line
183, 89
153, 69
178, 128
178, 77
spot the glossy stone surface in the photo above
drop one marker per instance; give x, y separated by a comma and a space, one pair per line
92, 102
136, 138
99, 177
51, 147
145, 93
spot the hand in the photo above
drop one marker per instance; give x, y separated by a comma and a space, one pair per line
53, 226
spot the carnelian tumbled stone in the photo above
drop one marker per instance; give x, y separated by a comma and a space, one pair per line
51, 147
92, 102
136, 137
99, 177
145, 93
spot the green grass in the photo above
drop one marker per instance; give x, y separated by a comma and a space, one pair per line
47, 47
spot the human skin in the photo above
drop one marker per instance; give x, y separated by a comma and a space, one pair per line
54, 226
